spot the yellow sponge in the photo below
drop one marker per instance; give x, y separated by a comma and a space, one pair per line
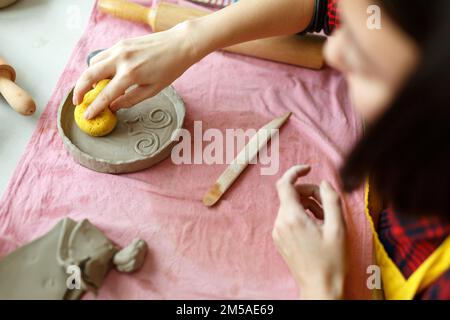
101, 125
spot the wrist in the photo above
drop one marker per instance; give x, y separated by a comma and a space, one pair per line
195, 46
323, 289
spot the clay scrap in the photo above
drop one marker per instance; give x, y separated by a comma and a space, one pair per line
72, 258
131, 258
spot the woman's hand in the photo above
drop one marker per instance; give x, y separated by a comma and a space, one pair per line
151, 62
313, 249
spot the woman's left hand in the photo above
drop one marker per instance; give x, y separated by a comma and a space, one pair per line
314, 250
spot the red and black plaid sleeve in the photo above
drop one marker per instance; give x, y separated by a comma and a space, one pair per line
440, 290
409, 241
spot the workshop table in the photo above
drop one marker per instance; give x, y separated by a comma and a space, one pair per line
37, 38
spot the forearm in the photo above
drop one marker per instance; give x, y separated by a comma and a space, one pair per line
154, 61
249, 20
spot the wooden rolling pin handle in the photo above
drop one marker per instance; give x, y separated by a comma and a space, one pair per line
167, 15
162, 17
16, 97
125, 10
305, 51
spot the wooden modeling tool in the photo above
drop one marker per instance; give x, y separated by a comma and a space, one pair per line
304, 51
16, 97
245, 156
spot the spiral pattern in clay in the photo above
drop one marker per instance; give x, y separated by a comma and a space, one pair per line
158, 119
148, 145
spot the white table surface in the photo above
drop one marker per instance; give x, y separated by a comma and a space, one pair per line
36, 38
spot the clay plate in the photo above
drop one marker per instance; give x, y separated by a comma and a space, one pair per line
144, 136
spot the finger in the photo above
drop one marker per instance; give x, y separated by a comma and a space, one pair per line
285, 186
89, 78
295, 172
112, 91
310, 191
100, 56
133, 97
313, 206
332, 208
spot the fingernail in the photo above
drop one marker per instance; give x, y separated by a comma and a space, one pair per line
304, 167
87, 114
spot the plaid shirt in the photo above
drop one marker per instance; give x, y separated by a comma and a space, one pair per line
409, 241
334, 14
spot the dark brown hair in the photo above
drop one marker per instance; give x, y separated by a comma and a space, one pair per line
407, 151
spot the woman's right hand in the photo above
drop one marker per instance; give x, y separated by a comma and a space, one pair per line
313, 246
151, 62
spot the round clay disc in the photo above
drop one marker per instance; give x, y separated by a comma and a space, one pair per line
144, 136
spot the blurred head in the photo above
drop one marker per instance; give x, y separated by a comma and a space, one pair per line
375, 62
399, 81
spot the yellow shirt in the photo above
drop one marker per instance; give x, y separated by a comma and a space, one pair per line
395, 286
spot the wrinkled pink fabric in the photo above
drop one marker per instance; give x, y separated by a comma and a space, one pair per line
195, 252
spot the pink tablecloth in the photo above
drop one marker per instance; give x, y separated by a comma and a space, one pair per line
195, 252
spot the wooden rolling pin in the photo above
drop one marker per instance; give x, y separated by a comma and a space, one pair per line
16, 97
304, 51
